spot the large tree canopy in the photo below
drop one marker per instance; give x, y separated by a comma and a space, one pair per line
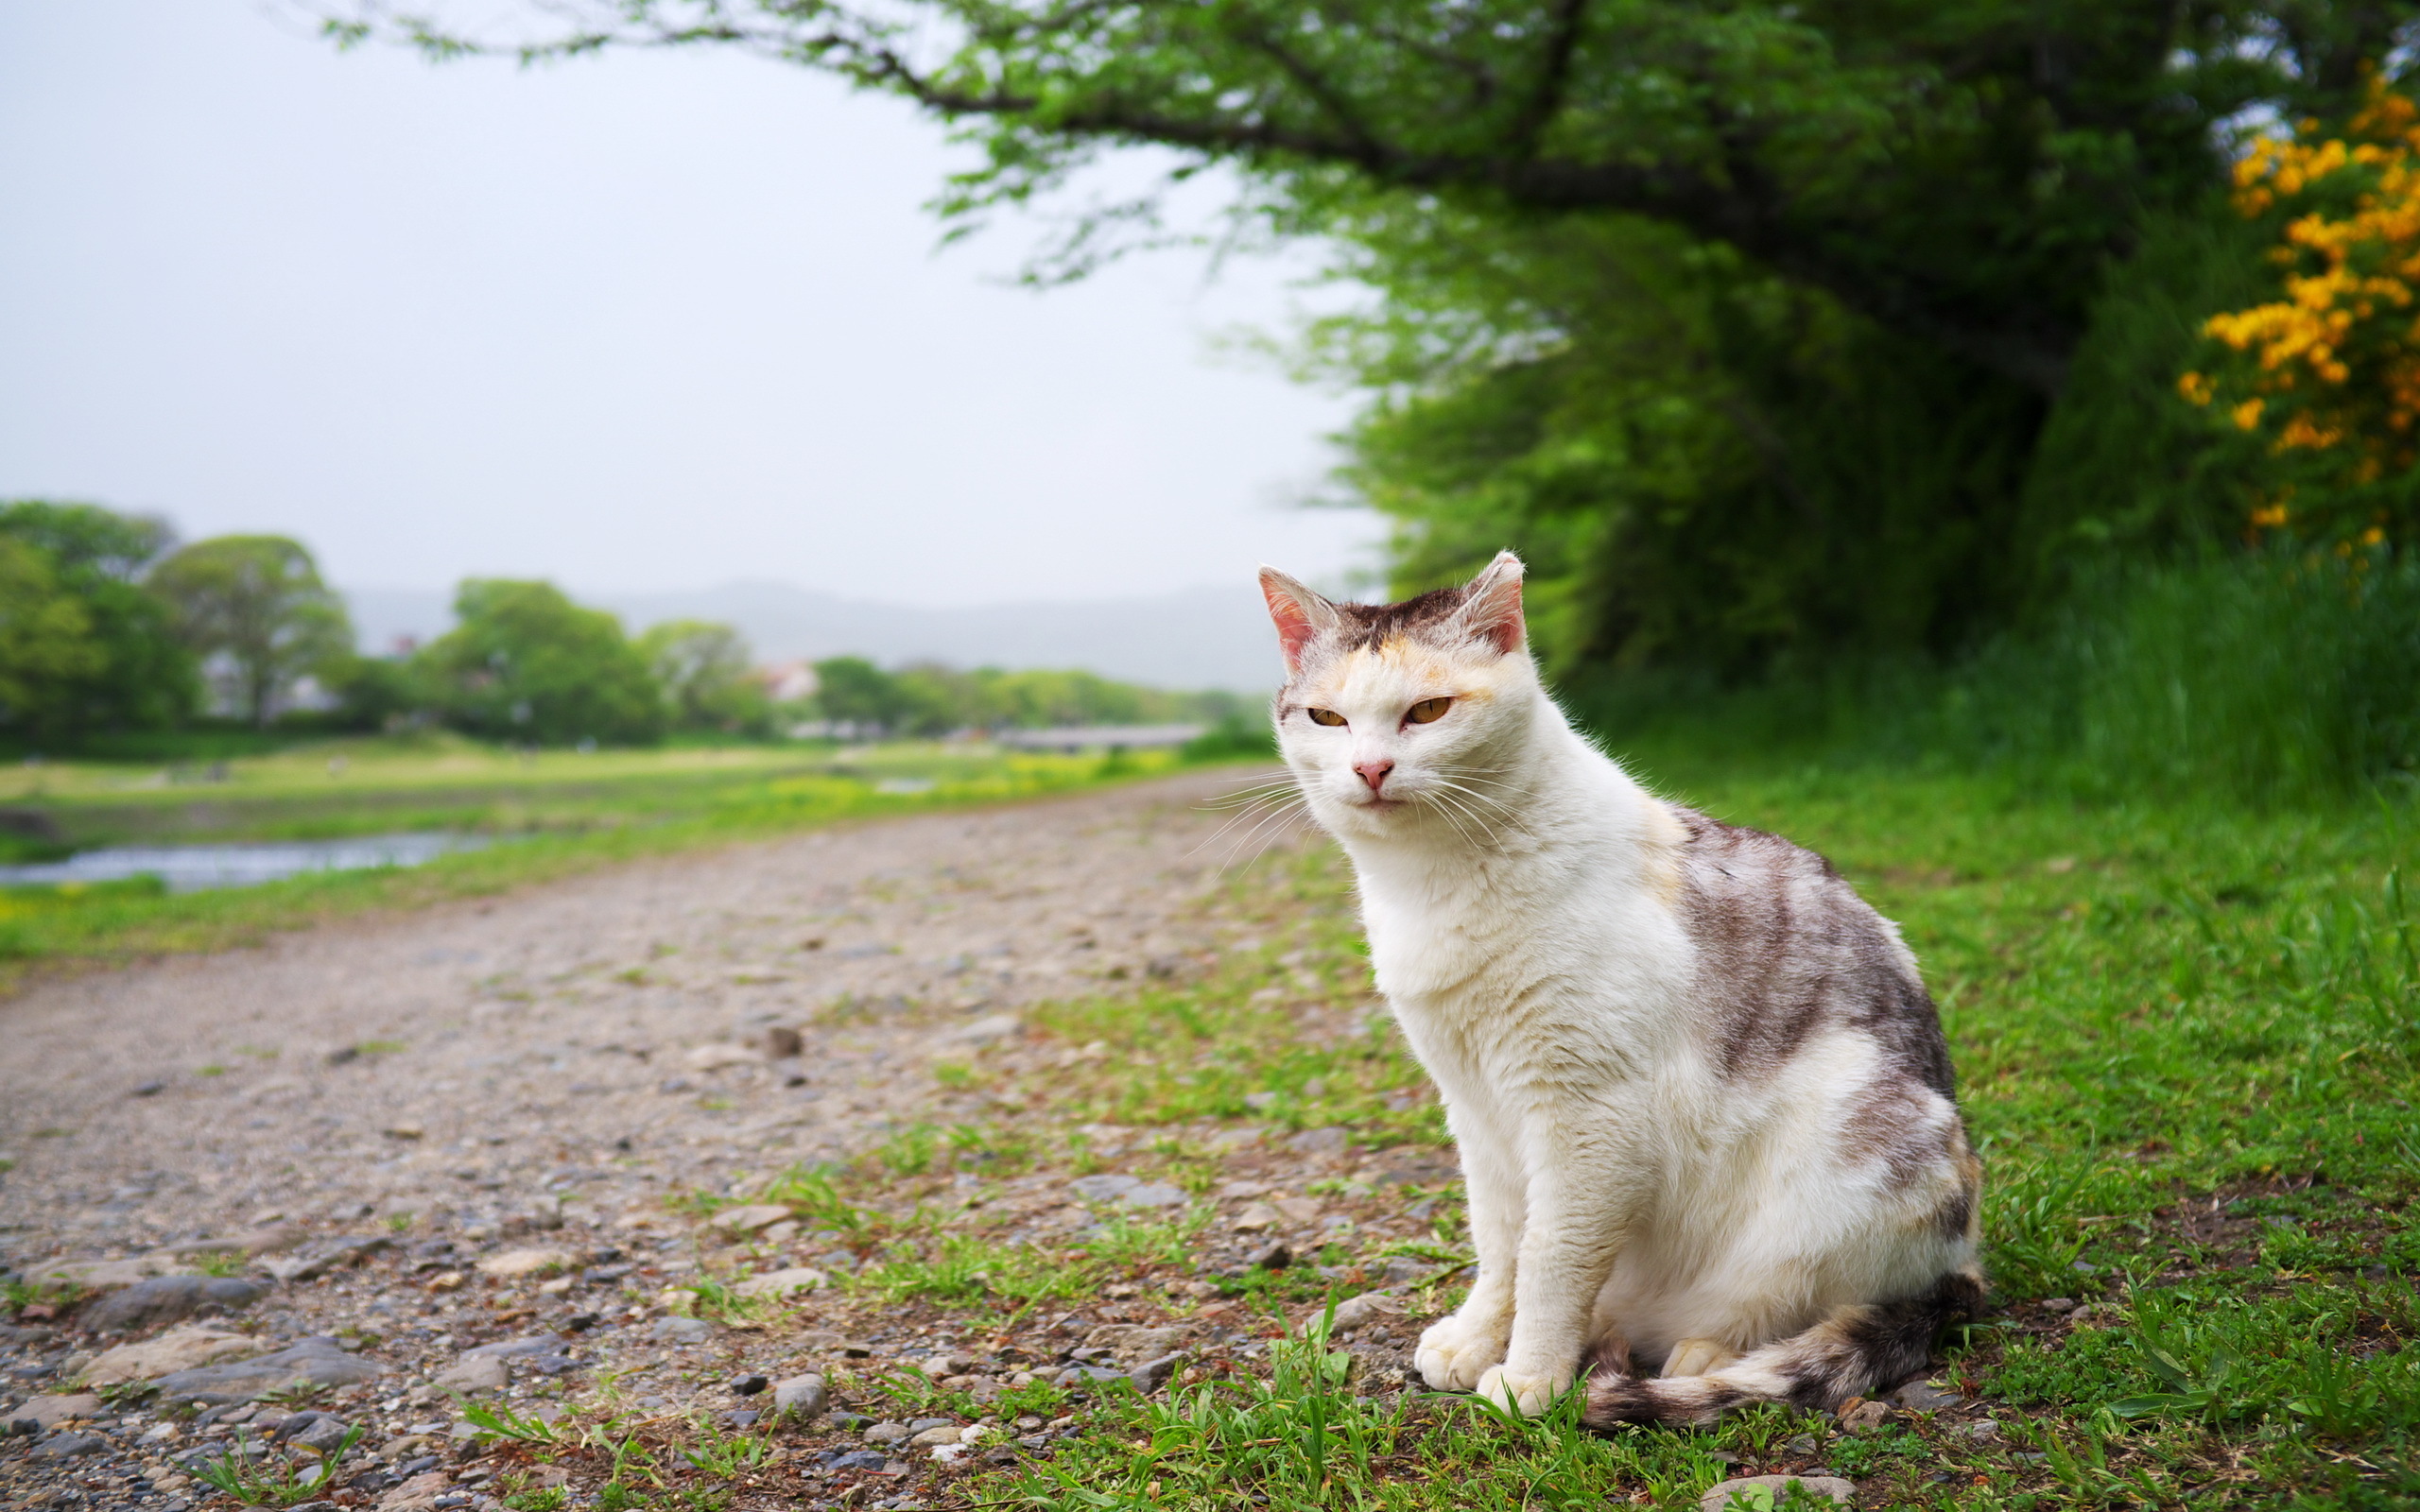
1958, 170
1763, 327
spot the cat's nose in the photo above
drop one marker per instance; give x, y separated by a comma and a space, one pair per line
1374, 773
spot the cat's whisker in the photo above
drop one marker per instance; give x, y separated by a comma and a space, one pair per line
1253, 817
1447, 804
1271, 827
1245, 795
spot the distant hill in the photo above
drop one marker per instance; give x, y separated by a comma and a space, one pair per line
1199, 637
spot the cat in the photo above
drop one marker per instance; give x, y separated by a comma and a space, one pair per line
1706, 1116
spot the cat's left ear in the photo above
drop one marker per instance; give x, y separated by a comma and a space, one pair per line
1491, 609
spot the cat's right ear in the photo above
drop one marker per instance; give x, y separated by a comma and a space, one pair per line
1301, 614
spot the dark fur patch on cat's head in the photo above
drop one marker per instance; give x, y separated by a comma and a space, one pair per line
1315, 629
1370, 626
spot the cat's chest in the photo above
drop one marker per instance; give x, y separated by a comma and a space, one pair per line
1478, 950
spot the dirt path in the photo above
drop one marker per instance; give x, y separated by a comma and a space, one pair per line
371, 1119
455, 1061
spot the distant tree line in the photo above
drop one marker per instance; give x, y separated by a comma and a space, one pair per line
110, 626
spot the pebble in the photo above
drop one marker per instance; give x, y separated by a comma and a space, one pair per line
67, 1446
315, 1261
861, 1459
1721, 1496
1923, 1395
751, 1218
187, 1347
514, 1263
163, 1299
681, 1330
946, 1433
887, 1433
308, 1362
1358, 1312
801, 1398
783, 1282
474, 1372
749, 1385
46, 1413
1329, 1140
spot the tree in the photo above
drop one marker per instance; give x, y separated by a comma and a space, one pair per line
47, 645
257, 601
1955, 170
707, 675
852, 690
524, 663
143, 677
1870, 239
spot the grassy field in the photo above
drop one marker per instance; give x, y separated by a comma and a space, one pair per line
2186, 1038
551, 813
2187, 1043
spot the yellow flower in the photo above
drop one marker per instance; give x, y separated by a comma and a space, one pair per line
2247, 415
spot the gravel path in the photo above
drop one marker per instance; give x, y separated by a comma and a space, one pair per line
454, 1060
537, 1069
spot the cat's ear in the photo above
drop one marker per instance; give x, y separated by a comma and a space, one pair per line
1301, 614
1491, 609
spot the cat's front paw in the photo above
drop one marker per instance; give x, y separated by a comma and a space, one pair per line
1454, 1353
1525, 1395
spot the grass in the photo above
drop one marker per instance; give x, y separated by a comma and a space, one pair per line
561, 812
263, 1479
2189, 1046
2189, 1036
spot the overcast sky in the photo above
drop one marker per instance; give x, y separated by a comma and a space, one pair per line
635, 324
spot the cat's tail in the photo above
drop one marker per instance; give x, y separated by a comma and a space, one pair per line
1855, 1350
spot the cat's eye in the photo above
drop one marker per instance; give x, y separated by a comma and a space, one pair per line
1428, 709
1327, 716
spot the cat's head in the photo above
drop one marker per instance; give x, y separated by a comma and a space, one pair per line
1402, 715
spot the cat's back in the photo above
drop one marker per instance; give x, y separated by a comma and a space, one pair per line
1787, 950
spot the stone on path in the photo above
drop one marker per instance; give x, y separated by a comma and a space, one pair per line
186, 1348
1329, 1140
160, 1300
1358, 1312
783, 1282
1923, 1395
1133, 1342
752, 1217
1255, 1218
514, 1263
46, 1413
801, 1398
1126, 1191
315, 1362
67, 1446
514, 1349
473, 1372
681, 1330
104, 1274
1761, 1493
317, 1260
419, 1494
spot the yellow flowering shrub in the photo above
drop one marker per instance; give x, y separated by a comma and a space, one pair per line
2327, 376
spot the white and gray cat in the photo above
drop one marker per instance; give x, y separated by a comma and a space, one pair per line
1706, 1116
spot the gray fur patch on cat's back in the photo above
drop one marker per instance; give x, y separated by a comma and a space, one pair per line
1790, 948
